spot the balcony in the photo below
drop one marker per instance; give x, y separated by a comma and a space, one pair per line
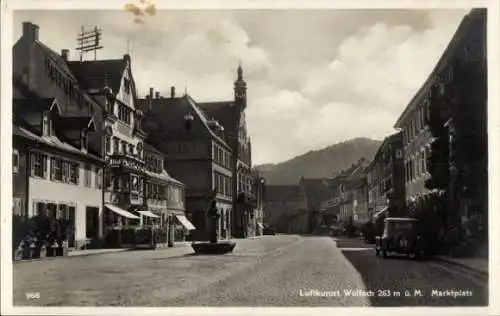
126, 161
123, 198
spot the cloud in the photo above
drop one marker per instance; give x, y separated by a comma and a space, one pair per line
315, 77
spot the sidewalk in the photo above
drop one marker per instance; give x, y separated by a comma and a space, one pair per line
89, 252
476, 264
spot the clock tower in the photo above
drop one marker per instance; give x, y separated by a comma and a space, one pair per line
240, 90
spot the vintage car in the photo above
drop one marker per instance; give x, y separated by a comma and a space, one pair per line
400, 236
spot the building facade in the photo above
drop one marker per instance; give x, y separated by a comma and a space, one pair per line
112, 83
163, 197
40, 72
231, 115
198, 156
313, 192
259, 188
282, 209
54, 175
386, 177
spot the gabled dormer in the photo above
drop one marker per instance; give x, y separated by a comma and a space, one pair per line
39, 114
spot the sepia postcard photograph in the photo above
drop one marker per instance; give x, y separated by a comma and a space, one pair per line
158, 154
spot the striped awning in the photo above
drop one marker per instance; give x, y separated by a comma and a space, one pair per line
120, 211
185, 222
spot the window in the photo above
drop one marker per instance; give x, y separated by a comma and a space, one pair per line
139, 150
399, 153
427, 156
56, 169
45, 124
88, 176
107, 144
116, 145
417, 119
74, 173
126, 85
98, 177
134, 180
124, 113
131, 149
15, 161
216, 183
17, 206
124, 147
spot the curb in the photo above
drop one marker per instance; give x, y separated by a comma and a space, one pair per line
441, 259
92, 254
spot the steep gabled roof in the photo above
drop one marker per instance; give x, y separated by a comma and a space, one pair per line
224, 112
77, 122
21, 107
61, 63
388, 140
173, 107
96, 74
51, 141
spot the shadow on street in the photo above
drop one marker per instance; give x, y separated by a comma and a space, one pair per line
401, 281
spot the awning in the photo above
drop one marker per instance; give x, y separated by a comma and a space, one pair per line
149, 214
185, 222
260, 225
380, 212
120, 211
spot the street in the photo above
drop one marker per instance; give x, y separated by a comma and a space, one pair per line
283, 270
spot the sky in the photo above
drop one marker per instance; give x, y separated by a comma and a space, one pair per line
314, 77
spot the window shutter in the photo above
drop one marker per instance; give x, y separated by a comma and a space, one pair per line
44, 165
77, 176
65, 171
52, 167
32, 163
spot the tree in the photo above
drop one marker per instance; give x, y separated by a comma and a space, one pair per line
469, 145
437, 161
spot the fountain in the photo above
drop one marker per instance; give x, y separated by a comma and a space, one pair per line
214, 246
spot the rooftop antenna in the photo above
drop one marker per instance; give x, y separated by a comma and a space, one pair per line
89, 41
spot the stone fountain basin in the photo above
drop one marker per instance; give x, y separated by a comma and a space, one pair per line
218, 248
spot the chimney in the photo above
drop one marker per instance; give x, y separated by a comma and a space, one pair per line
172, 92
65, 54
30, 31
157, 94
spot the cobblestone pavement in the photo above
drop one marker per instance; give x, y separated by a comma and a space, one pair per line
269, 271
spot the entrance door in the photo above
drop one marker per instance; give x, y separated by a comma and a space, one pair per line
92, 222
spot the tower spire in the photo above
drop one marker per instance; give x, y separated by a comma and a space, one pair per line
240, 71
240, 88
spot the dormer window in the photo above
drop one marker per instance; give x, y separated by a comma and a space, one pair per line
126, 85
45, 124
84, 139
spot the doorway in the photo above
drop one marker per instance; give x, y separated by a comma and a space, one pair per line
92, 222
